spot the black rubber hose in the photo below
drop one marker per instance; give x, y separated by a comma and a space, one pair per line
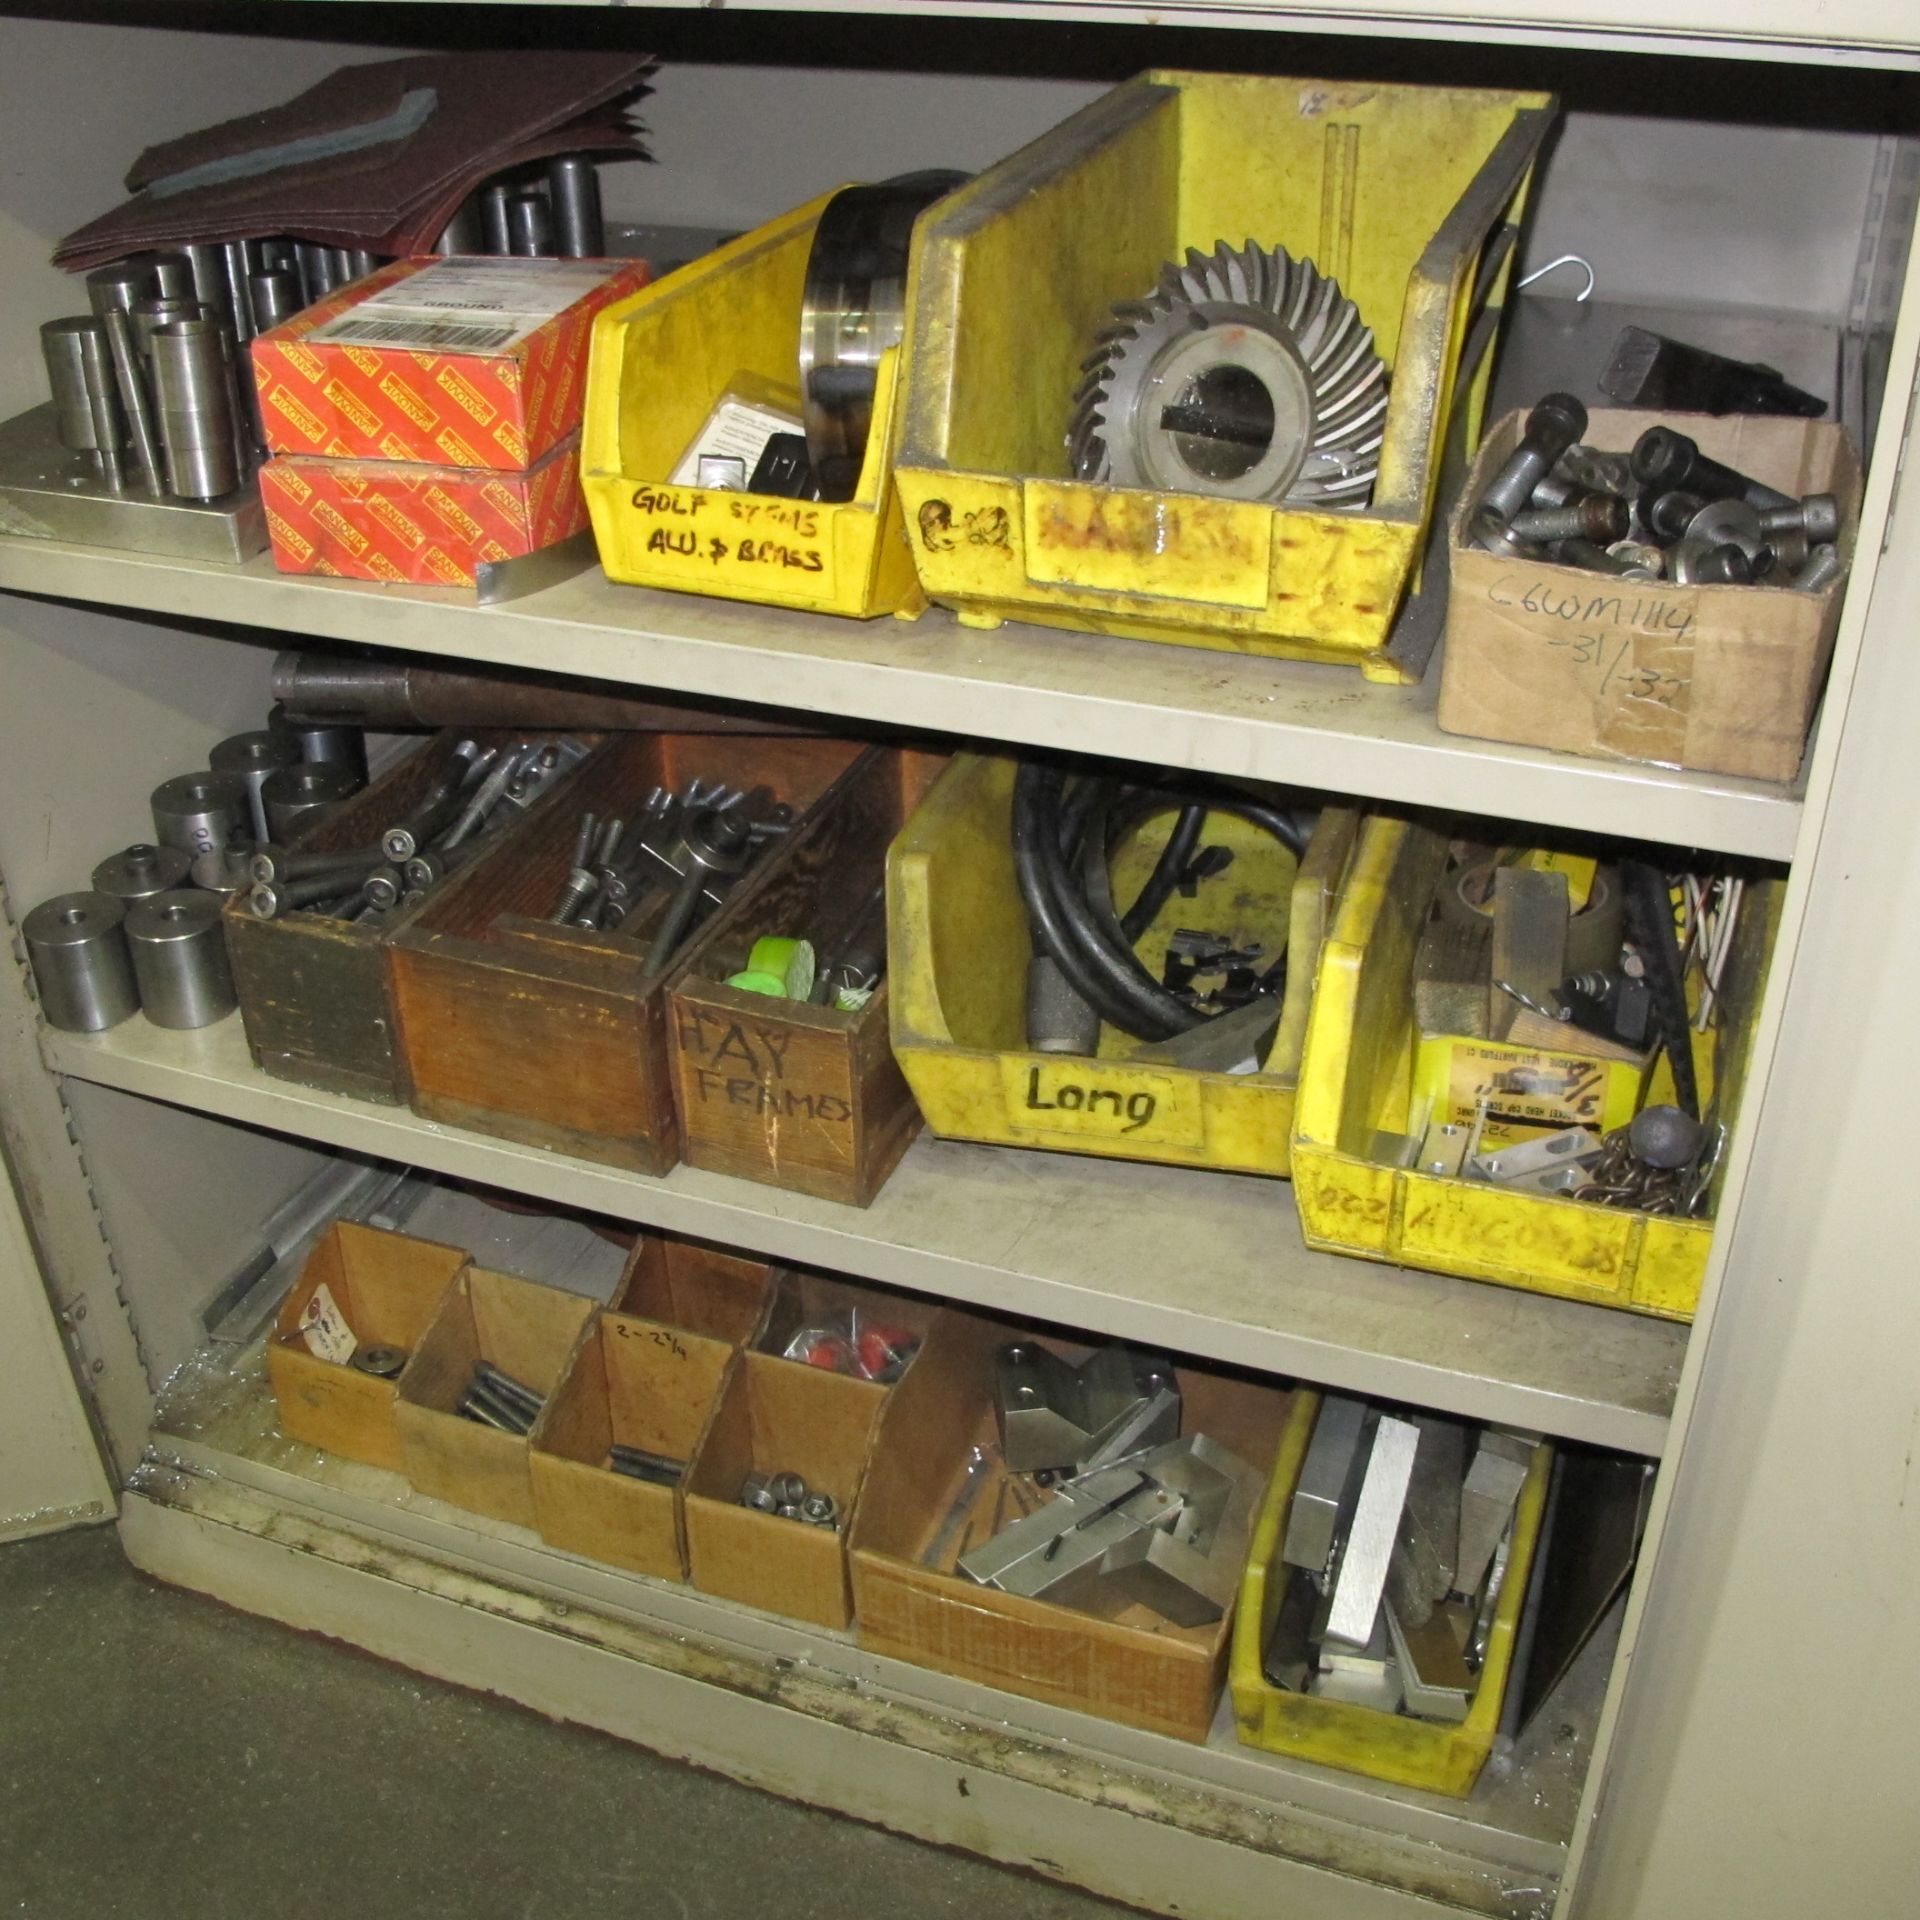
1061, 843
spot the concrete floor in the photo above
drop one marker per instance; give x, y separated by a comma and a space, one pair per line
163, 1758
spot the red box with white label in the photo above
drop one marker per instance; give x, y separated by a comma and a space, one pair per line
475, 361
402, 521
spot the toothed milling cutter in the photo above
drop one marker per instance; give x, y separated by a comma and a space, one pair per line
1245, 373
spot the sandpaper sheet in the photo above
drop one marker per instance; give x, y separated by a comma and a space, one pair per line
492, 111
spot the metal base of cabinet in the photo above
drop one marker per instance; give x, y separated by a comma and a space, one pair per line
226, 1505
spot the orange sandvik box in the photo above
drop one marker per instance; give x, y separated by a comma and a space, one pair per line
475, 361
398, 520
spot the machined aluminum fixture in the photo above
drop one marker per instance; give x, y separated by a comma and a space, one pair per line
1552, 427
1699, 563
140, 871
573, 184
252, 757
123, 285
222, 871
195, 811
103, 405
532, 221
77, 946
297, 798
197, 425
1664, 458
852, 309
62, 345
276, 297
1489, 530
180, 959
1824, 566
1600, 517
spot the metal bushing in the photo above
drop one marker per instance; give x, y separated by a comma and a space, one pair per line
199, 811
252, 757
297, 798
852, 309
180, 959
124, 284
325, 742
195, 398
573, 184
224, 870
61, 345
139, 872
77, 947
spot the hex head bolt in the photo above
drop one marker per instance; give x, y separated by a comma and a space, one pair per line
1599, 517
424, 872
270, 899
1817, 516
582, 882
1668, 515
718, 847
1552, 427
382, 888
1487, 529
436, 807
1663, 459
1695, 564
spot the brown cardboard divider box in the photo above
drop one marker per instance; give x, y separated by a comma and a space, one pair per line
696, 1286
635, 1383
774, 1417
1719, 679
388, 1287
526, 1330
1135, 1667
891, 1323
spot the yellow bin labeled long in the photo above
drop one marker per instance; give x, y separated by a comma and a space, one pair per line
1406, 195
958, 943
660, 361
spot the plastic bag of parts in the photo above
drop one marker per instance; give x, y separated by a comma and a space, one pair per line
855, 1343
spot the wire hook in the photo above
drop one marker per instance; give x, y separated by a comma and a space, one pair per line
1564, 260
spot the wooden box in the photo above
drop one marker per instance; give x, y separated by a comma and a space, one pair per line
524, 1329
788, 1093
636, 1383
313, 991
388, 1288
696, 1286
886, 1326
774, 1417
1136, 1667
543, 1034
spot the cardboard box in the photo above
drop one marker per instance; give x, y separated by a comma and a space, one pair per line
803, 1298
388, 1287
1136, 1667
470, 362
400, 521
774, 1417
635, 1383
526, 1330
1722, 679
697, 1286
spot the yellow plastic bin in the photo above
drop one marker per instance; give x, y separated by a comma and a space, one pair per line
958, 943
1404, 194
1435, 1755
660, 361
1356, 1081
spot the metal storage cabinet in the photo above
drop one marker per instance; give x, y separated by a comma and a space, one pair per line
1747, 1749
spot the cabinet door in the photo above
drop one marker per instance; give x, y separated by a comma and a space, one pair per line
51, 1473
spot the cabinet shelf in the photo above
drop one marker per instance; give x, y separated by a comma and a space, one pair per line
1202, 1263
1292, 721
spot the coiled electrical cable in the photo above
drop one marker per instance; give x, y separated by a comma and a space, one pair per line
1063, 836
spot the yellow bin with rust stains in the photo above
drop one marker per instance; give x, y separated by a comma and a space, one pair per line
1357, 1081
1433, 1754
660, 360
1408, 196
958, 946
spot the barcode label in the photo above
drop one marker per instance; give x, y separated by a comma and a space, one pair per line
417, 336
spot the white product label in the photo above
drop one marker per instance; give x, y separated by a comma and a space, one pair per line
324, 1328
479, 305
736, 427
